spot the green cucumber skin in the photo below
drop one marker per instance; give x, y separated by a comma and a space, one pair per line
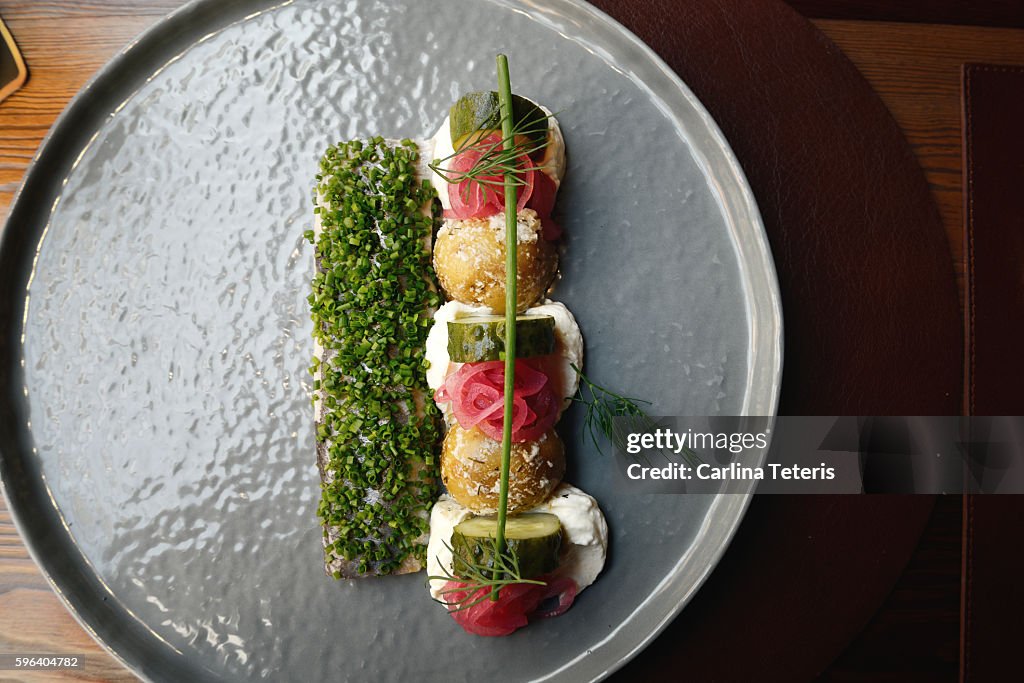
476, 341
477, 111
536, 556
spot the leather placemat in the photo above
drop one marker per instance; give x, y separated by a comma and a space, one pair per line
993, 557
993, 116
993, 592
1003, 13
871, 326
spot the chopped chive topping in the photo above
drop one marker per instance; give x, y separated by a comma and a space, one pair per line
372, 291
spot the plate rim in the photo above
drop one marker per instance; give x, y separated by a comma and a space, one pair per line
755, 250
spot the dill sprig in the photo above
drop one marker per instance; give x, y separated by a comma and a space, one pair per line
604, 406
497, 159
501, 572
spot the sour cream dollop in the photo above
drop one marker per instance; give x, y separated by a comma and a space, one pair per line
568, 345
584, 536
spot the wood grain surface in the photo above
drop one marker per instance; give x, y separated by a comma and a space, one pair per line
914, 67
63, 42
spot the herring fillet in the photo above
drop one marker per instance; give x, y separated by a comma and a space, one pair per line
332, 563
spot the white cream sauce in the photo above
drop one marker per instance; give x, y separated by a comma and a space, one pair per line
568, 345
584, 535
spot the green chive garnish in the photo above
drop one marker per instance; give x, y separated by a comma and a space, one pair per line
511, 270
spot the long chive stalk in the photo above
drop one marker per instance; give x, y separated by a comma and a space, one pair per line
511, 269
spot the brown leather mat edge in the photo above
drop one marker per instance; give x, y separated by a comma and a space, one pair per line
993, 98
975, 13
992, 593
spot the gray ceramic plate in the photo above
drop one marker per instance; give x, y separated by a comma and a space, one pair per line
156, 428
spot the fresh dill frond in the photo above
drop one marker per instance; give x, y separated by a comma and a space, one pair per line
604, 407
504, 571
496, 159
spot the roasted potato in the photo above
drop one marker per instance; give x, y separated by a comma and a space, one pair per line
469, 259
471, 470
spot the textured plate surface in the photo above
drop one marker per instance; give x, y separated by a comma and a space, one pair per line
156, 427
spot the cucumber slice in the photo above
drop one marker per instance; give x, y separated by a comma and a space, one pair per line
534, 538
476, 114
477, 338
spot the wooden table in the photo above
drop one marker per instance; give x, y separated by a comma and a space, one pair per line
914, 67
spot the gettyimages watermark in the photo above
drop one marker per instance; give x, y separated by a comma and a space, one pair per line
820, 454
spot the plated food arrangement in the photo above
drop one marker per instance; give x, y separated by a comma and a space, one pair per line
220, 519
411, 393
